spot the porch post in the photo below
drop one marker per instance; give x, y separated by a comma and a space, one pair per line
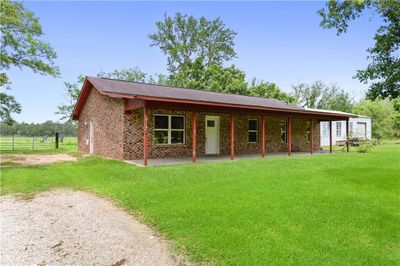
144, 136
330, 136
263, 136
347, 135
232, 138
311, 136
194, 138
289, 137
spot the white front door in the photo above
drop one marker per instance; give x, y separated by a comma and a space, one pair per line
212, 134
91, 135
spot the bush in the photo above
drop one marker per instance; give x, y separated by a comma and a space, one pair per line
365, 147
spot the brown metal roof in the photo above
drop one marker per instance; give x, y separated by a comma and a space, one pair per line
152, 90
146, 91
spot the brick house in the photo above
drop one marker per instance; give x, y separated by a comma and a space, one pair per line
130, 121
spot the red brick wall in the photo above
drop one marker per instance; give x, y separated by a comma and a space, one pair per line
108, 119
133, 137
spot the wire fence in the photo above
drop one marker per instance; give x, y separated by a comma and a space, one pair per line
15, 143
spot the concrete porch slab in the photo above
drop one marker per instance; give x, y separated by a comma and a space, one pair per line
215, 158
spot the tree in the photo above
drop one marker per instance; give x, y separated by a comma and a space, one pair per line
185, 39
214, 78
320, 96
268, 90
384, 69
73, 89
196, 51
8, 106
396, 117
20, 46
382, 114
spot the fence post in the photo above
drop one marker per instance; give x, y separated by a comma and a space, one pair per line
13, 142
56, 140
33, 142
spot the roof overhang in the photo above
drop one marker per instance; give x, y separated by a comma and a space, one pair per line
138, 101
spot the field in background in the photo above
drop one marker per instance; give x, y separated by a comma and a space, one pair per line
20, 144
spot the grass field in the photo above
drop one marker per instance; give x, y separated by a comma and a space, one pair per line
339, 209
18, 144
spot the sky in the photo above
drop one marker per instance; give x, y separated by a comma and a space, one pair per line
278, 42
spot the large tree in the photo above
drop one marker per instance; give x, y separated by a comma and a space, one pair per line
186, 39
321, 96
196, 51
21, 46
383, 71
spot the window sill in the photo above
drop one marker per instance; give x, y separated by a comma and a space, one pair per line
169, 145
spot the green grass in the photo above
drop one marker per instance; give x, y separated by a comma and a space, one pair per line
25, 145
339, 209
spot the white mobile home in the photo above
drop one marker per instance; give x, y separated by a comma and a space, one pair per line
359, 127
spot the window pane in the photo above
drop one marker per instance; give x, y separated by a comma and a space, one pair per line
253, 124
253, 137
210, 123
176, 137
177, 122
161, 122
283, 125
283, 136
161, 137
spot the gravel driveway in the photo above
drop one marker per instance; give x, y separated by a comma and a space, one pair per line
66, 227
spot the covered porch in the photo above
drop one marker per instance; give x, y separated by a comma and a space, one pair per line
198, 115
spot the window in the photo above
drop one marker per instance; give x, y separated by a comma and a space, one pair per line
253, 130
283, 131
325, 129
169, 129
308, 131
210, 123
338, 129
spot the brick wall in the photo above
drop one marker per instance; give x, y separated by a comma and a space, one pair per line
133, 137
107, 115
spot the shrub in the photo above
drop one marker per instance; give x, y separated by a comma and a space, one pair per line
365, 147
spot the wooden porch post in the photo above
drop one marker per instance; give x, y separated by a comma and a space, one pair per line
289, 137
194, 138
347, 135
330, 136
232, 138
311, 136
144, 136
263, 136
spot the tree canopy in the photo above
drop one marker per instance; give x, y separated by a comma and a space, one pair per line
383, 117
383, 71
185, 39
321, 96
48, 128
21, 46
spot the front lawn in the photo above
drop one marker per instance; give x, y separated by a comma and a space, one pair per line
323, 209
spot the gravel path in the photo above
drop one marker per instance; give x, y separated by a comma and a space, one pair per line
66, 227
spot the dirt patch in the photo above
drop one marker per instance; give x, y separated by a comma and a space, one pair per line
34, 159
65, 227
